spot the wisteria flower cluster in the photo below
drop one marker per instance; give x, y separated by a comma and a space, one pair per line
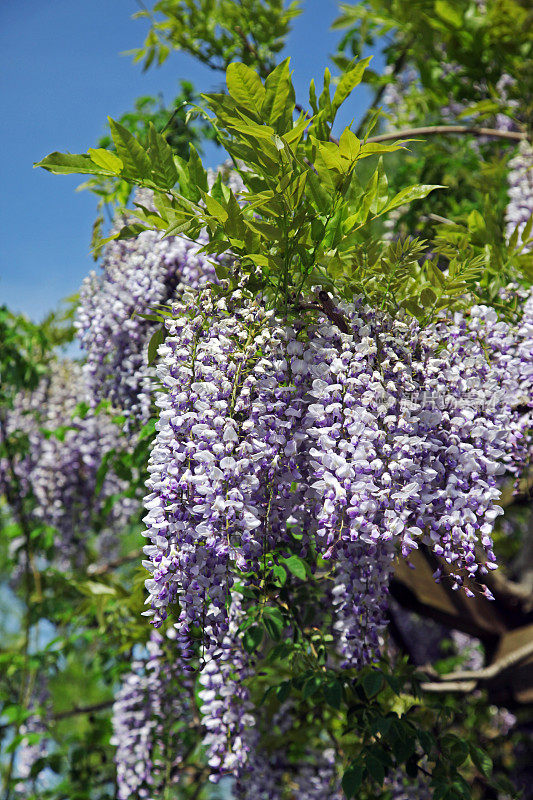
60, 463
367, 443
520, 178
137, 276
225, 450
151, 710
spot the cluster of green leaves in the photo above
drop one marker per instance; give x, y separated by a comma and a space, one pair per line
24, 350
217, 32
458, 49
170, 121
301, 219
455, 54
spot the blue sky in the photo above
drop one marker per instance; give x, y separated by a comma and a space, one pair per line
61, 75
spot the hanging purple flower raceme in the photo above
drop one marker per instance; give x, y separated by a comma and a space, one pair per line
223, 461
366, 453
406, 445
509, 350
152, 709
318, 778
524, 359
342, 435
474, 435
226, 706
520, 180
232, 738
59, 467
137, 275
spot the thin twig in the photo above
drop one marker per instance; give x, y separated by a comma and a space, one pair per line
434, 130
326, 307
101, 569
467, 680
71, 712
457, 686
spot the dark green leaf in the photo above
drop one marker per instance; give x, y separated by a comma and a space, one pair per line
252, 638
372, 682
295, 565
273, 621
427, 297
157, 338
352, 780
333, 693
481, 760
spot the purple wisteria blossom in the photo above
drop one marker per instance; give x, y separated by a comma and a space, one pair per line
224, 459
230, 736
59, 466
151, 710
367, 442
137, 276
520, 180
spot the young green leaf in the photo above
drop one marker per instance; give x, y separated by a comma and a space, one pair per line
278, 103
245, 86
106, 159
71, 164
134, 157
295, 565
449, 13
161, 157
348, 82
409, 194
